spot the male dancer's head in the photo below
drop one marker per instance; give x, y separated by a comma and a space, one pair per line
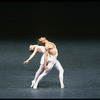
42, 41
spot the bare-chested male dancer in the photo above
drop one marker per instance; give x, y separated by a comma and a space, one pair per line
50, 58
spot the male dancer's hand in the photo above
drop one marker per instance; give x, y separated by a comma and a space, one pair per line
46, 68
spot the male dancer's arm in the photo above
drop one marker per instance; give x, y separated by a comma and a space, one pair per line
31, 56
45, 57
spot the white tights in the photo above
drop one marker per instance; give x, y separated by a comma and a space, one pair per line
39, 77
38, 72
61, 72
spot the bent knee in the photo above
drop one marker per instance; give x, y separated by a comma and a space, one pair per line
62, 70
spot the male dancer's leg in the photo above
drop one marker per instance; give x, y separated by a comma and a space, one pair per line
37, 74
50, 66
61, 72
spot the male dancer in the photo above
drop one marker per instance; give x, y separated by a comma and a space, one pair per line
50, 57
34, 49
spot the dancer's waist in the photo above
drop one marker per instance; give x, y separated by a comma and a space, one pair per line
53, 56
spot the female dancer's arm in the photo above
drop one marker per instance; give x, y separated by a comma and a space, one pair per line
31, 56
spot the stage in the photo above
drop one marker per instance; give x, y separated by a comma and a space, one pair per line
79, 58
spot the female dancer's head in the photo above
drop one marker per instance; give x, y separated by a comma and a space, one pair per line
31, 48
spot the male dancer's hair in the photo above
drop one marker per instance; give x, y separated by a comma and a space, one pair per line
40, 43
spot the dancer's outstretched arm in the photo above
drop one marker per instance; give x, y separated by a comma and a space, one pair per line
31, 56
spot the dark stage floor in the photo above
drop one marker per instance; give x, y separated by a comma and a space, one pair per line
79, 58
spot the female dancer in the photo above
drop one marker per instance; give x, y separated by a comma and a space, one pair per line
36, 48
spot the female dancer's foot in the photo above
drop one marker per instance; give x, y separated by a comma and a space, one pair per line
33, 82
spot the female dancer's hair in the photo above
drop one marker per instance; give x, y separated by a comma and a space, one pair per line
31, 51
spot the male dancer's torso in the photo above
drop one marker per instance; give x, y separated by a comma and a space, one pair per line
52, 50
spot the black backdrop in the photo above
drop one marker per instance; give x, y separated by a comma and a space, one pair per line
51, 19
